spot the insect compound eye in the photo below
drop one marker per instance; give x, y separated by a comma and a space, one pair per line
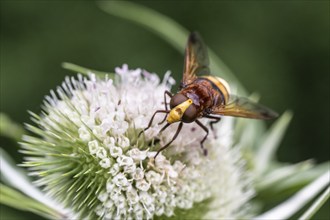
190, 114
177, 99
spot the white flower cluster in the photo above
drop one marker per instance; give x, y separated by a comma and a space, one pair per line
108, 116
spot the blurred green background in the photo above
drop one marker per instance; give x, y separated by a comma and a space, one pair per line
276, 48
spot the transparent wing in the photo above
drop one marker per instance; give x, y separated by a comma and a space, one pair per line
243, 107
196, 59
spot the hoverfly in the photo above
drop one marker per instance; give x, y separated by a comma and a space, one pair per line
202, 95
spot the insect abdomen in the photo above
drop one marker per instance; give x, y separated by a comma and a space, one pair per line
221, 85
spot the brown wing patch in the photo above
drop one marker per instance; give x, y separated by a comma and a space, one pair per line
196, 59
243, 107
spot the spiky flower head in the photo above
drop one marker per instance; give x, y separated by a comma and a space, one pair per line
86, 154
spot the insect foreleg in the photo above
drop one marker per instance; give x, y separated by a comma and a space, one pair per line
207, 133
152, 118
165, 103
163, 128
216, 120
174, 137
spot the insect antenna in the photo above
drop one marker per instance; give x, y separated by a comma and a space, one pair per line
174, 137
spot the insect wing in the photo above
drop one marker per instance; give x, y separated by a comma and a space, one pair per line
243, 107
196, 59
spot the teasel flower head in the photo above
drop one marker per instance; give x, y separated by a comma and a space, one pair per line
86, 154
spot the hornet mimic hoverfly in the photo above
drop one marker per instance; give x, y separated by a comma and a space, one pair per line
202, 95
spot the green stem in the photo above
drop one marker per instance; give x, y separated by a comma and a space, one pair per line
85, 71
316, 205
169, 30
9, 128
15, 199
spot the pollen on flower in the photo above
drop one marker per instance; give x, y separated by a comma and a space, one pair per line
88, 154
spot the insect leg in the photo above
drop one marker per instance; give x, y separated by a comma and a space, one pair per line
216, 119
163, 128
174, 137
207, 133
152, 118
165, 102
